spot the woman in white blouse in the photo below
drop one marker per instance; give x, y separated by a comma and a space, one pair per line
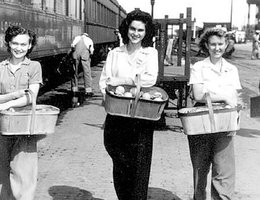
127, 140
214, 152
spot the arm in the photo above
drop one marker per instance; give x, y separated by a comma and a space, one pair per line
91, 47
11, 96
23, 100
75, 41
229, 95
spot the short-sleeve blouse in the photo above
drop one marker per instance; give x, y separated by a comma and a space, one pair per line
30, 72
205, 72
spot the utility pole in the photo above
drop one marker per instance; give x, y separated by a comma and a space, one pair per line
231, 15
152, 4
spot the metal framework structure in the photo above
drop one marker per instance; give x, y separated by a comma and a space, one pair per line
175, 85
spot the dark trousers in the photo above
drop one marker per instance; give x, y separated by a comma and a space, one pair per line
129, 142
216, 150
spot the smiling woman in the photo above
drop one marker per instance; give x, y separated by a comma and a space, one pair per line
19, 47
136, 32
215, 77
17, 74
131, 148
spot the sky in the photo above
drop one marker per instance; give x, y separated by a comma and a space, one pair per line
202, 10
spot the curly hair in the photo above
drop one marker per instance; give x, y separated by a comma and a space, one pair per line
12, 31
207, 34
144, 17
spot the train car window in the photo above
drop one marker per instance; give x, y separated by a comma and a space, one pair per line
60, 7
37, 4
71, 9
91, 12
26, 2
74, 9
114, 18
49, 5
102, 14
95, 11
99, 12
111, 18
77, 7
82, 6
67, 7
14, 1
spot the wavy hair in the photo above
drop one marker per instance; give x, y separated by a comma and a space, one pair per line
207, 34
144, 17
13, 31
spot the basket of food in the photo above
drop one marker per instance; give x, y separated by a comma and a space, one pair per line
29, 120
135, 101
213, 118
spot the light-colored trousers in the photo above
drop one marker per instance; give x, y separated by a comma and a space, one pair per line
216, 151
18, 167
84, 59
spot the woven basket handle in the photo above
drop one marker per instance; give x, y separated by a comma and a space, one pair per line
134, 107
211, 113
32, 122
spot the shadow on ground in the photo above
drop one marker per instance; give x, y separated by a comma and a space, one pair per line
66, 100
61, 192
248, 132
62, 98
161, 194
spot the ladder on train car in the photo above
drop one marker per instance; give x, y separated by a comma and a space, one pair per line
176, 85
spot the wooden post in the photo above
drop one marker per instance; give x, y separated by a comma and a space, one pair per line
85, 16
188, 44
179, 52
161, 51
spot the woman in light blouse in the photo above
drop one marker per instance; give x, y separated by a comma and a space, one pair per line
215, 152
127, 140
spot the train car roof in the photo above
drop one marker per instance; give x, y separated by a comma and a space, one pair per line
116, 2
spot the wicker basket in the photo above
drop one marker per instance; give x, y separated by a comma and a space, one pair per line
210, 119
135, 107
29, 120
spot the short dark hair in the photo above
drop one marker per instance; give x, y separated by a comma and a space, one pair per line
13, 31
144, 17
207, 34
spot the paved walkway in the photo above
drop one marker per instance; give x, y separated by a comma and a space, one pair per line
74, 165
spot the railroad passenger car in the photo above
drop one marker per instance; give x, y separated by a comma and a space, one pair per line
58, 22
